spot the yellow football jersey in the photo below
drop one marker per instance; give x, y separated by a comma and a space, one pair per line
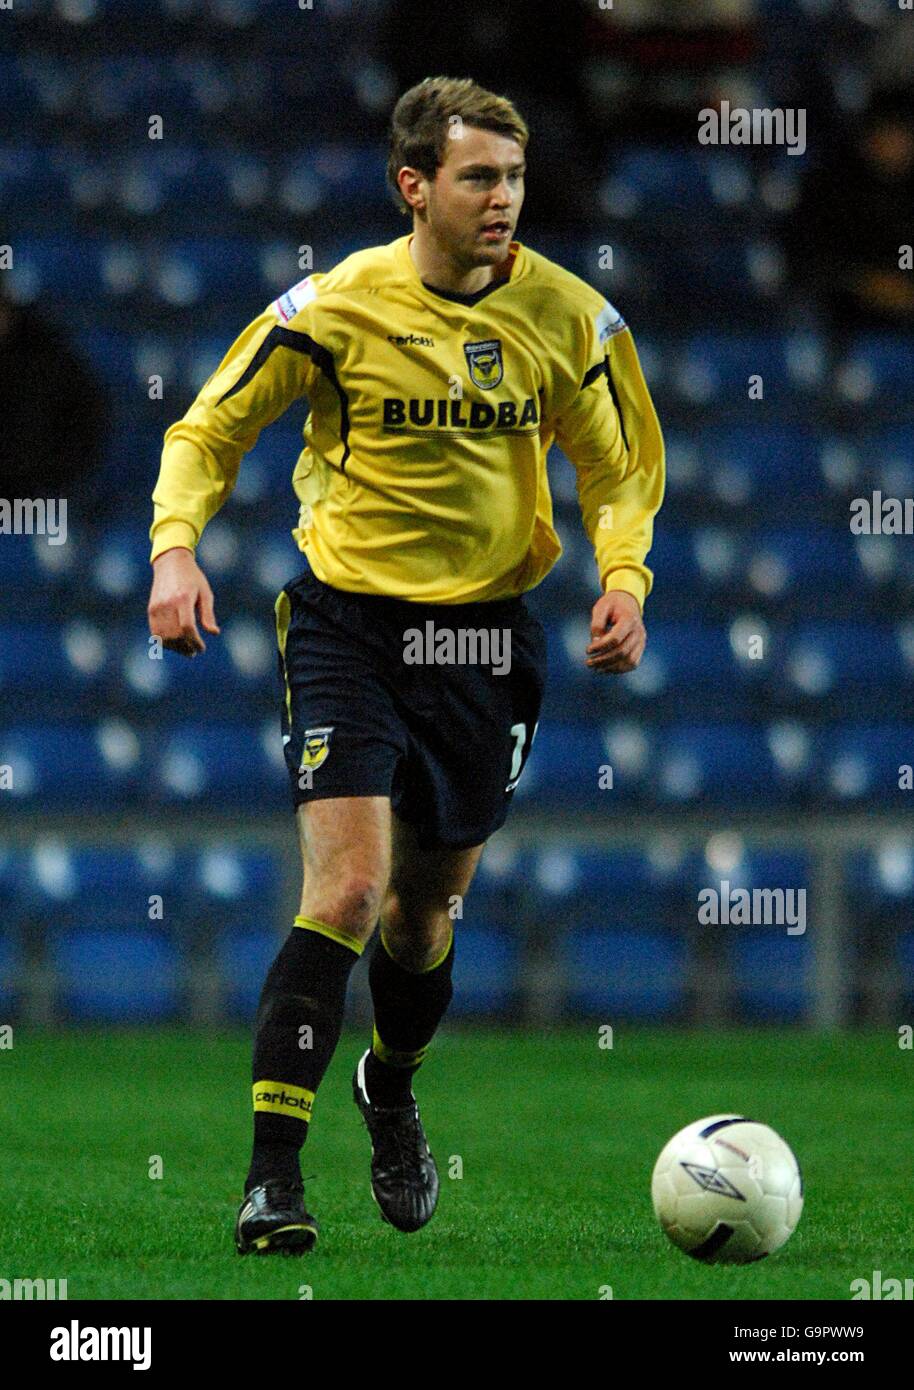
423, 473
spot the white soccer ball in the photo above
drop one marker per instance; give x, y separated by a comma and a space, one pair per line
727, 1190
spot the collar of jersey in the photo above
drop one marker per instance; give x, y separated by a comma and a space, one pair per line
468, 300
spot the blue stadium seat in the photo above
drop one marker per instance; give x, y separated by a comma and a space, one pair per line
905, 958
220, 551
795, 749
276, 454
341, 172
720, 556
29, 562
188, 271
761, 460
563, 767
274, 560
17, 89
884, 875
243, 956
130, 467
818, 660
236, 876
657, 178
486, 969
672, 558
111, 355
129, 888
744, 866
27, 179
880, 366
727, 763
120, 562
63, 881
61, 268
198, 762
31, 657
499, 898
771, 973
623, 974
604, 889
116, 976
9, 972
890, 447
59, 766
685, 658
728, 362
10, 922
863, 761
805, 555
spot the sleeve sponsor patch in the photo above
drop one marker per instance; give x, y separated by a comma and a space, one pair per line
295, 299
609, 322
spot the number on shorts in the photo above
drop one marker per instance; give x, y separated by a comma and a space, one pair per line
519, 734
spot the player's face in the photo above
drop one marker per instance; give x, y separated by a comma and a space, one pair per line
475, 199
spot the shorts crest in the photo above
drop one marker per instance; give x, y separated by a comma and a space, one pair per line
316, 748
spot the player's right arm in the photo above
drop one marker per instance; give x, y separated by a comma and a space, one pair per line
268, 367
180, 594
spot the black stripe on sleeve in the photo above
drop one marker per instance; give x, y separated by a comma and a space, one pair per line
320, 356
603, 369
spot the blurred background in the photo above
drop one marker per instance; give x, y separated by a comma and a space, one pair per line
148, 858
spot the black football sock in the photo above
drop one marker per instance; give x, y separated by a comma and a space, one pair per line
297, 1028
407, 1010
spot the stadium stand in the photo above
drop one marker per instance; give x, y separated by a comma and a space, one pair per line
779, 671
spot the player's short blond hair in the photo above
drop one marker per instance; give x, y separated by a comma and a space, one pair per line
424, 118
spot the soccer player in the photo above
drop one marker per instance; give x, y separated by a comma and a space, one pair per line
438, 369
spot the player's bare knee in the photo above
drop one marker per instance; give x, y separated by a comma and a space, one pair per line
415, 940
350, 902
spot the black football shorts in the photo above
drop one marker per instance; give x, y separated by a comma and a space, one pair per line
433, 705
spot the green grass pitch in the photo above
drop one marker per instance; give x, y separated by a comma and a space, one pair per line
557, 1139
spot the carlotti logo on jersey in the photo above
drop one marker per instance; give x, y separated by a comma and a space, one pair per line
410, 340
485, 363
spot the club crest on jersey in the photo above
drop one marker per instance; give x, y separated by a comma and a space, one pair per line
317, 747
484, 362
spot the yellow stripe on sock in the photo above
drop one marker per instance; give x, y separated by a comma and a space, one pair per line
439, 960
281, 1098
312, 924
396, 1059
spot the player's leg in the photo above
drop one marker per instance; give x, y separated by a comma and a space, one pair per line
410, 979
410, 970
346, 854
470, 736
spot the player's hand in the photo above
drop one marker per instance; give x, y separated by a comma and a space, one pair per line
621, 647
180, 592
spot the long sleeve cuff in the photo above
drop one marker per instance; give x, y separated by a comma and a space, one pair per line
171, 534
630, 581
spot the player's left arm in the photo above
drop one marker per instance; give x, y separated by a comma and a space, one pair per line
611, 434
